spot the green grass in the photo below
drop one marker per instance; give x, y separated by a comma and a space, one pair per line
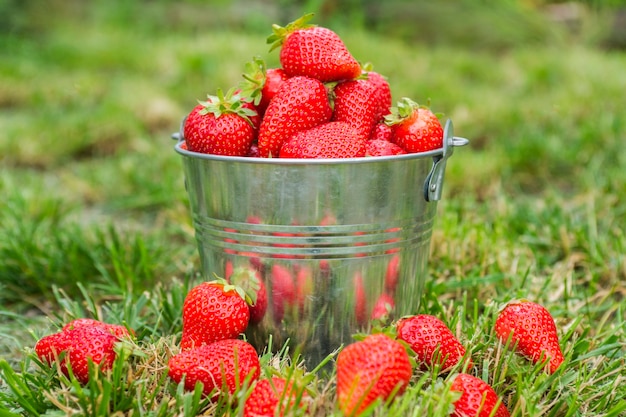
94, 218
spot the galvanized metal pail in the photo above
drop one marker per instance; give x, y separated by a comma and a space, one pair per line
340, 243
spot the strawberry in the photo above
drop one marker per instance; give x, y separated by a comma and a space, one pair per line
313, 51
532, 332
383, 93
355, 102
382, 131
428, 336
283, 291
300, 104
360, 299
274, 397
222, 365
250, 280
213, 311
415, 128
222, 125
378, 147
304, 287
375, 367
477, 399
328, 140
392, 274
80, 344
261, 83
115, 329
383, 307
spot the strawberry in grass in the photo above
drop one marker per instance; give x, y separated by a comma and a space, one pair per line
415, 128
328, 140
222, 125
79, 345
313, 51
220, 366
274, 397
375, 367
212, 311
300, 104
478, 399
532, 332
432, 341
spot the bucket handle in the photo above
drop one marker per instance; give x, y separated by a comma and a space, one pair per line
433, 185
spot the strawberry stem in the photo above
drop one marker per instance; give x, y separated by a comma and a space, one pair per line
280, 33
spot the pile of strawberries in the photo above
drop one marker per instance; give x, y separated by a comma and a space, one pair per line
377, 367
321, 103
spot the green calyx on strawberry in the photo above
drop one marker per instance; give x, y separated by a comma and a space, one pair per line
260, 83
415, 128
249, 280
225, 124
230, 103
213, 311
280, 33
313, 51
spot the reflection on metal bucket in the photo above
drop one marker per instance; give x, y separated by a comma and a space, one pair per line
340, 243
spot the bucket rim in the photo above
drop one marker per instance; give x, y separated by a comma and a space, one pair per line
302, 161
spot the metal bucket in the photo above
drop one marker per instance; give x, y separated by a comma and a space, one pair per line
341, 243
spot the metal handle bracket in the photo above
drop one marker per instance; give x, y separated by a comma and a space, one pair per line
433, 186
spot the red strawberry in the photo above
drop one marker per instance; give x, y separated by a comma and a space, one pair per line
356, 103
392, 274
383, 93
250, 280
313, 51
274, 397
300, 104
532, 331
415, 128
360, 299
80, 345
383, 307
428, 336
222, 125
378, 147
283, 291
329, 140
382, 131
261, 83
304, 287
224, 364
376, 367
478, 399
115, 329
213, 311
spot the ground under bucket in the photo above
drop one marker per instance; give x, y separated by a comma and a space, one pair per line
341, 244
